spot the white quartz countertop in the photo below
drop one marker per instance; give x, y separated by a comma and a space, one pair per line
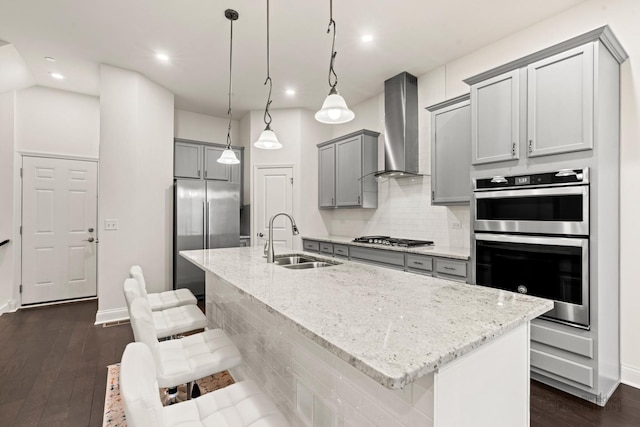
435, 250
393, 326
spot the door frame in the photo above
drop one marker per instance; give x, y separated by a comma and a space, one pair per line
254, 175
18, 213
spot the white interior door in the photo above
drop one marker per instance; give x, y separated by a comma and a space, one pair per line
59, 215
273, 193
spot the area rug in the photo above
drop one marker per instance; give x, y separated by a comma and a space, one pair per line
113, 406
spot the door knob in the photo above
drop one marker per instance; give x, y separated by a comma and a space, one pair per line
260, 235
90, 230
90, 239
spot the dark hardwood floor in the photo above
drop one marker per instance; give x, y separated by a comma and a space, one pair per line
53, 372
53, 365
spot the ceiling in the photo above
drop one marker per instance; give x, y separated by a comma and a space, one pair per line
409, 35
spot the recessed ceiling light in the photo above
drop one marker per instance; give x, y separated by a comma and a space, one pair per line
162, 57
290, 92
57, 76
367, 38
50, 58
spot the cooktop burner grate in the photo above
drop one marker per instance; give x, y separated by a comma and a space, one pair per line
392, 241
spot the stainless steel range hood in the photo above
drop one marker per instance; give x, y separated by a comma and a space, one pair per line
400, 127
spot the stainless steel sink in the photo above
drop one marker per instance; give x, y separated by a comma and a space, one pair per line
298, 262
291, 259
305, 265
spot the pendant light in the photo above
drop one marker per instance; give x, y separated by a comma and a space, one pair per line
334, 109
228, 156
268, 139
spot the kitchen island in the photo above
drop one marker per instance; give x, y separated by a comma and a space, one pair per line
356, 344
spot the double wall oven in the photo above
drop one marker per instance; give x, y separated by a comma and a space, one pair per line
531, 235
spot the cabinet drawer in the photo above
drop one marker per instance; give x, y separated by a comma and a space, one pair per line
311, 245
562, 340
564, 368
451, 268
377, 256
326, 248
341, 250
419, 262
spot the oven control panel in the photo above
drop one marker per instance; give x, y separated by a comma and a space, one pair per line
547, 179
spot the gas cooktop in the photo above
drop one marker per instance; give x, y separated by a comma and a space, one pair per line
392, 241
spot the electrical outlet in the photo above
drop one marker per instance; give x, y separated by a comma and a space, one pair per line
456, 225
110, 224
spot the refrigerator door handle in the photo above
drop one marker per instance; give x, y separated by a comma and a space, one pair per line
204, 225
208, 235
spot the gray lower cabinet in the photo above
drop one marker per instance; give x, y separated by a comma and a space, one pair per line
563, 353
311, 245
345, 171
382, 257
445, 268
451, 151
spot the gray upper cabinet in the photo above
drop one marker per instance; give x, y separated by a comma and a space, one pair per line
327, 176
235, 171
451, 151
345, 171
212, 169
560, 103
495, 118
349, 172
187, 160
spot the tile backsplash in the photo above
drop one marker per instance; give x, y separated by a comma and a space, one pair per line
405, 210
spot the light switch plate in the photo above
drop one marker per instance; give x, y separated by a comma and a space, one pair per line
110, 224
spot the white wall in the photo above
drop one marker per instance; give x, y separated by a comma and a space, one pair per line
51, 121
7, 225
136, 177
201, 127
14, 74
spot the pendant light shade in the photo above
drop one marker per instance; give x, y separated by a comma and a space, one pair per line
268, 140
228, 157
334, 109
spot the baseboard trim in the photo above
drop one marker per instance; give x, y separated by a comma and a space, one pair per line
631, 376
111, 316
8, 307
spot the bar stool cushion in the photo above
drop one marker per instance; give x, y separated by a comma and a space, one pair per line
171, 321
187, 359
166, 299
238, 405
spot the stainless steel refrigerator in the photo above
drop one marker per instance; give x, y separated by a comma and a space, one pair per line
206, 216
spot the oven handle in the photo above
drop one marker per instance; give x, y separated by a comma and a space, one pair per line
534, 192
555, 241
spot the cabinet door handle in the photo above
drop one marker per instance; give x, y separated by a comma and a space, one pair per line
530, 146
513, 149
449, 268
418, 263
205, 174
198, 173
332, 201
358, 199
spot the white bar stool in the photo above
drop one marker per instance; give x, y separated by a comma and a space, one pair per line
162, 300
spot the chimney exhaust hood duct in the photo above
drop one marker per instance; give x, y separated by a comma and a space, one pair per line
400, 127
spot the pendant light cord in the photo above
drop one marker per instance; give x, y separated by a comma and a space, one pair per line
267, 115
229, 112
332, 23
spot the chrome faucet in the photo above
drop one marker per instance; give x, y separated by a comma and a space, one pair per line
268, 247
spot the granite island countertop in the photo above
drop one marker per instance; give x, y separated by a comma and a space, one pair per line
435, 250
392, 326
